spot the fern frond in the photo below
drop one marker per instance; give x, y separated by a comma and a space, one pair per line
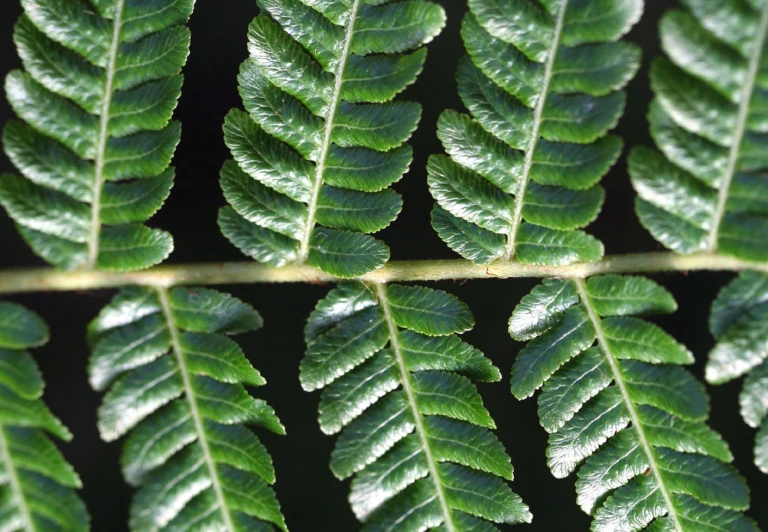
414, 432
739, 321
705, 190
177, 388
100, 84
542, 84
322, 141
36, 483
617, 403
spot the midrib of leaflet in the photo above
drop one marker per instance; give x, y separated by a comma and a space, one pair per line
538, 112
328, 134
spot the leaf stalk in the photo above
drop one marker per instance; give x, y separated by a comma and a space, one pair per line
26, 280
637, 425
538, 115
189, 393
405, 380
101, 149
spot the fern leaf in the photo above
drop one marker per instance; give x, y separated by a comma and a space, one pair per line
36, 483
542, 85
177, 390
96, 97
738, 322
321, 141
704, 191
414, 432
620, 408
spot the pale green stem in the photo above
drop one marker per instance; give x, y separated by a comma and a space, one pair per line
14, 484
637, 426
739, 130
405, 379
538, 113
101, 146
325, 149
189, 393
52, 280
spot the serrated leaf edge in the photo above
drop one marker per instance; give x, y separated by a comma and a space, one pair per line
189, 394
538, 112
748, 90
405, 379
618, 378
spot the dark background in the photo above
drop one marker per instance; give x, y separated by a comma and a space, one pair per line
312, 499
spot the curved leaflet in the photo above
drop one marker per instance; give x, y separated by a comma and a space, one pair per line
704, 188
620, 408
414, 433
739, 322
36, 483
542, 84
177, 391
100, 84
321, 141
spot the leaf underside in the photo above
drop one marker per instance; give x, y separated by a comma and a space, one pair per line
620, 408
704, 188
542, 83
177, 390
739, 322
321, 142
36, 483
100, 83
414, 434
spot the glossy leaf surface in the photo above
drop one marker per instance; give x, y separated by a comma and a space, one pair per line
414, 434
739, 322
177, 390
96, 139
704, 188
542, 84
621, 410
321, 141
37, 485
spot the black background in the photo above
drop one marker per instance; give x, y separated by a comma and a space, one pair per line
312, 499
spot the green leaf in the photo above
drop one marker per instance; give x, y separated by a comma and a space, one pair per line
673, 390
446, 353
632, 338
451, 396
413, 429
208, 311
19, 373
346, 254
566, 391
322, 141
428, 311
539, 245
36, 482
543, 88
544, 355
541, 309
469, 240
179, 395
348, 344
256, 242
621, 411
701, 193
96, 98
737, 321
754, 396
20, 328
761, 448
616, 295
